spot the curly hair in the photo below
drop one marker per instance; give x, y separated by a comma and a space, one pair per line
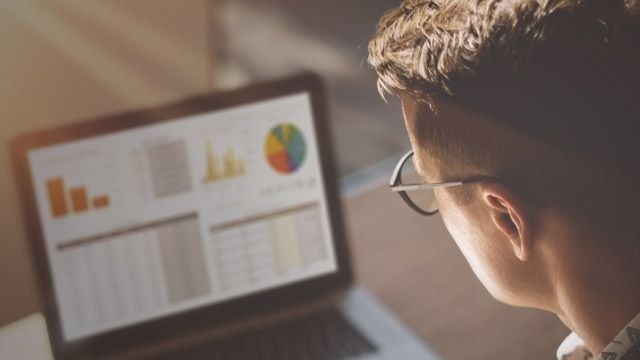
432, 47
565, 72
543, 67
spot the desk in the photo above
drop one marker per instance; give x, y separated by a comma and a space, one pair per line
414, 267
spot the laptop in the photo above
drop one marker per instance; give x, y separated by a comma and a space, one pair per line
205, 229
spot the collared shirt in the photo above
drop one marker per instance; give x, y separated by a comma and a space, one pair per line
625, 346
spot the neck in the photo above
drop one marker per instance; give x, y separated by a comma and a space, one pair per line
597, 299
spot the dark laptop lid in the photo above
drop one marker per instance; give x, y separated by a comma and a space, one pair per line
151, 224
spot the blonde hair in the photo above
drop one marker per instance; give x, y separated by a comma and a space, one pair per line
562, 72
433, 47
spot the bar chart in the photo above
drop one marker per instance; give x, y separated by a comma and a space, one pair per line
222, 167
76, 199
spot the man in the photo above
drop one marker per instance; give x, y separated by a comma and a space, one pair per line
524, 122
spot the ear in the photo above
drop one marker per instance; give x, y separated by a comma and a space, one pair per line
511, 216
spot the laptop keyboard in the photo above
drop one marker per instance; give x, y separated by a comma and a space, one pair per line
325, 335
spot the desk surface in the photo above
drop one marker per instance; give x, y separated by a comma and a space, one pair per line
412, 265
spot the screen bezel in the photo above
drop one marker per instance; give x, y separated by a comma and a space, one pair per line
208, 316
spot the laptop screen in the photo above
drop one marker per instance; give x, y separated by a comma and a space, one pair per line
166, 218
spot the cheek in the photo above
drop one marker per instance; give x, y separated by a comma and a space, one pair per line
464, 234
473, 238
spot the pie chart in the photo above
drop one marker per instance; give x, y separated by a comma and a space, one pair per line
285, 148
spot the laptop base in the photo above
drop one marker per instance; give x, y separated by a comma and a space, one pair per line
357, 328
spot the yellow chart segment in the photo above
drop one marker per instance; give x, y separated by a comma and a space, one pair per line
274, 146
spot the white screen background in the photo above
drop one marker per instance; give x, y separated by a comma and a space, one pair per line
150, 227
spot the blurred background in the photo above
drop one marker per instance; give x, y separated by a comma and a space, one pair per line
69, 60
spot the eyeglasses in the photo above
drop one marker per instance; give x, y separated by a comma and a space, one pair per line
406, 180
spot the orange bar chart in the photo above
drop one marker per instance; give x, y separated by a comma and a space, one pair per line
57, 199
101, 201
78, 198
79, 201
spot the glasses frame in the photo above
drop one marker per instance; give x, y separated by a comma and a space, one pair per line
396, 185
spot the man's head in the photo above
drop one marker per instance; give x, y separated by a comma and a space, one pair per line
538, 100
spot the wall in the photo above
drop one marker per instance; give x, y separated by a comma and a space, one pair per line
70, 60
